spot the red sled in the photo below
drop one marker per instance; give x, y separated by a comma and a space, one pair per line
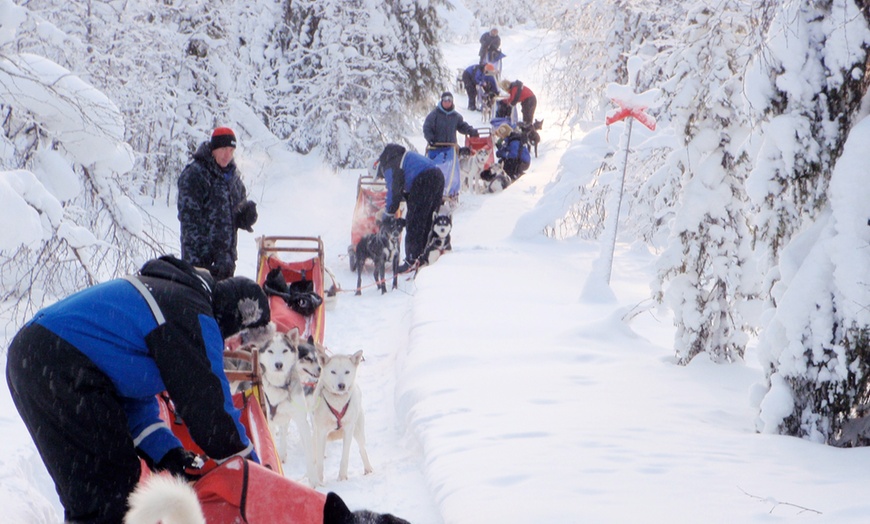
242, 491
239, 490
300, 259
371, 201
482, 141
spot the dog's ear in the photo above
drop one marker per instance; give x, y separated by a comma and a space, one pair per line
292, 337
357, 357
401, 222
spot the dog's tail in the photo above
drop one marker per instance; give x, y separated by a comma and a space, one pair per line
166, 499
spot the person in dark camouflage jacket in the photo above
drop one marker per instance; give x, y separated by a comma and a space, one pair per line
213, 205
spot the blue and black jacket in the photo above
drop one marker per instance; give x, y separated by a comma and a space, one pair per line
400, 168
156, 332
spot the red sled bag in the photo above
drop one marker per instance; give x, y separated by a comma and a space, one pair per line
243, 491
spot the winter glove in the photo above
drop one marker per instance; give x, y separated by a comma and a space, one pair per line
246, 215
335, 511
182, 463
474, 133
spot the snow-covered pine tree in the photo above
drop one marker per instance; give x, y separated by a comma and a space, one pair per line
809, 83
64, 161
598, 38
358, 71
506, 13
701, 272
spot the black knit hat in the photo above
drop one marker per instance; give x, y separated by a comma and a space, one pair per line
222, 137
239, 303
446, 95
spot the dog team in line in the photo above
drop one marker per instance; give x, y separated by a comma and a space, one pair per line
113, 347
418, 180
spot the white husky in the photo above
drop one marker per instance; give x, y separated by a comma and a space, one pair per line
470, 167
290, 369
338, 412
164, 499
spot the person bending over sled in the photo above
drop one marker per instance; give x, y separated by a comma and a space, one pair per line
522, 95
84, 374
513, 151
478, 75
490, 46
416, 178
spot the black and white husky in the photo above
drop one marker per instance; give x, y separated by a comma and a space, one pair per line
439, 238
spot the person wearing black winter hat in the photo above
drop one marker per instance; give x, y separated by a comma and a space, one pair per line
213, 206
416, 179
443, 122
84, 373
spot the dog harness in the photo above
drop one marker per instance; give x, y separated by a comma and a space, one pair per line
337, 414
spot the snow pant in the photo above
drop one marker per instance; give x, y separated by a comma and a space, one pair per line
424, 199
514, 167
470, 89
528, 106
76, 420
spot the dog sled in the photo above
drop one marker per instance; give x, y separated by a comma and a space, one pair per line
477, 159
298, 263
240, 490
371, 199
446, 157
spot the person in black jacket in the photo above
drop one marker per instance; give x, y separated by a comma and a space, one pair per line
213, 205
412, 177
84, 372
490, 46
443, 122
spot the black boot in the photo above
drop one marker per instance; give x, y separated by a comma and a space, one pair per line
335, 511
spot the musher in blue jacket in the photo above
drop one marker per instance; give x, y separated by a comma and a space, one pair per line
479, 75
512, 151
84, 373
416, 179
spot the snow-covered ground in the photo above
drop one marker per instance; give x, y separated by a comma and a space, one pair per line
494, 393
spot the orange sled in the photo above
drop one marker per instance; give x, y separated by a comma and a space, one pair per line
239, 490
371, 197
